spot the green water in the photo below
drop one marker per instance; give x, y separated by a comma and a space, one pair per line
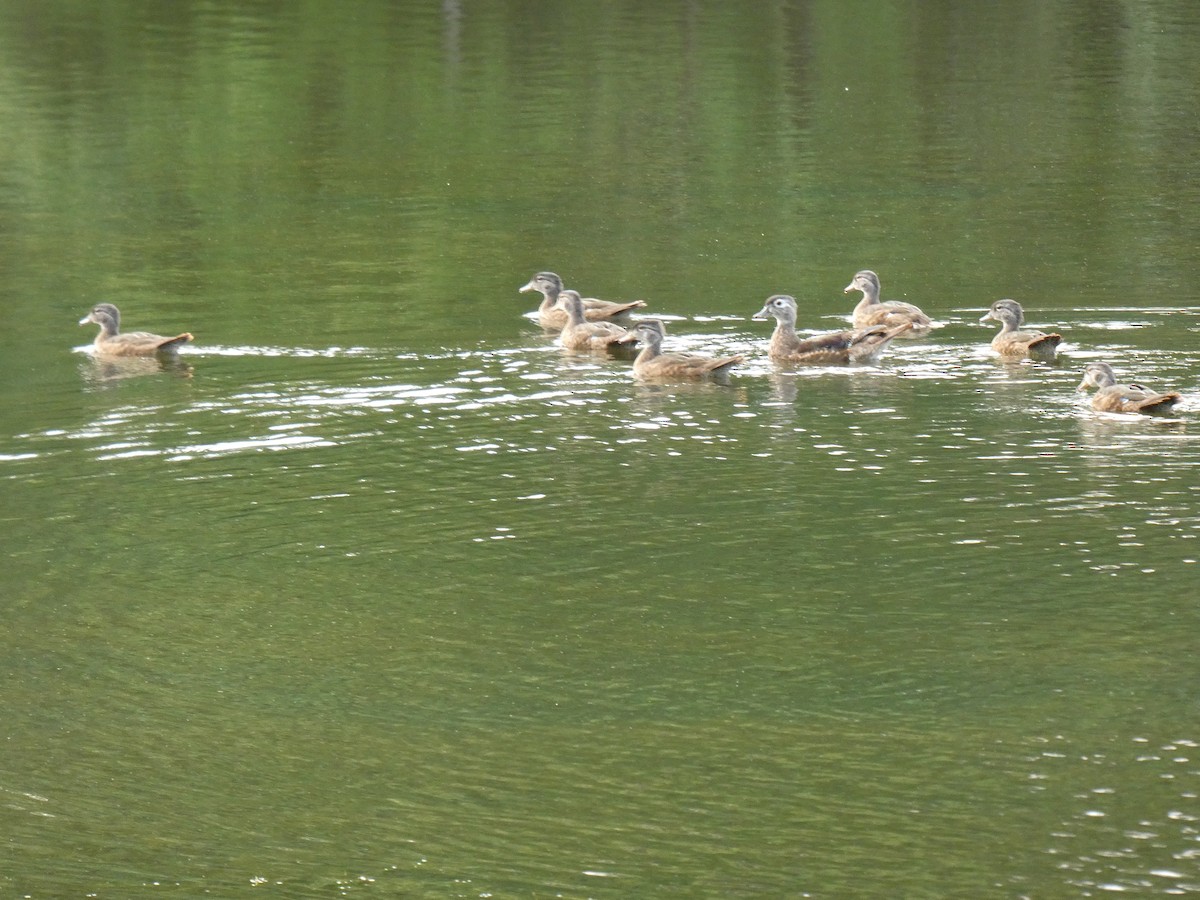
379, 593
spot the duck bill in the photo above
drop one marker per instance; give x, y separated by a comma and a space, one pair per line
848, 288
86, 320
986, 316
764, 313
630, 337
526, 288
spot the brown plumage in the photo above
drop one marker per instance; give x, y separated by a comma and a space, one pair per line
1129, 398
580, 334
111, 342
1011, 341
862, 345
892, 313
653, 363
552, 316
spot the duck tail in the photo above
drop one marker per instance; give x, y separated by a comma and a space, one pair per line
894, 333
172, 344
1159, 403
720, 365
1046, 342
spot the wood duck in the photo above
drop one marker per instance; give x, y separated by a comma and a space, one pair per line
111, 342
871, 311
1011, 341
1129, 398
862, 345
579, 333
552, 316
651, 362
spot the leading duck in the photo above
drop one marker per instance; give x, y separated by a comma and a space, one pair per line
111, 342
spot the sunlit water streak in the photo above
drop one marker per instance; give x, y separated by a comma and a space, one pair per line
490, 402
543, 376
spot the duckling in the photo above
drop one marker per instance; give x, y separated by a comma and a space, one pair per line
1011, 342
552, 316
862, 345
653, 363
111, 342
1130, 398
870, 311
580, 334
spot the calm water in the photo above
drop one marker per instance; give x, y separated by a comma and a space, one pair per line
379, 593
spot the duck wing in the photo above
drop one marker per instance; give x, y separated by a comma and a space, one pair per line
141, 343
597, 310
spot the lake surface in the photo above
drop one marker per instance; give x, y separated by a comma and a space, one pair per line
378, 592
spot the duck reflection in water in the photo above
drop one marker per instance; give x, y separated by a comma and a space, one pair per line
105, 371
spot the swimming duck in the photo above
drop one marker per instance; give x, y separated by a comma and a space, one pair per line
1130, 398
862, 345
653, 363
870, 311
580, 334
551, 316
111, 342
1012, 342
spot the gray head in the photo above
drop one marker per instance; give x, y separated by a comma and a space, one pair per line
781, 306
546, 283
648, 331
1006, 311
105, 315
571, 302
1097, 375
865, 281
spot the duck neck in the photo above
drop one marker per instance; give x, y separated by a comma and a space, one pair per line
549, 299
650, 349
574, 308
1008, 324
785, 333
870, 295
